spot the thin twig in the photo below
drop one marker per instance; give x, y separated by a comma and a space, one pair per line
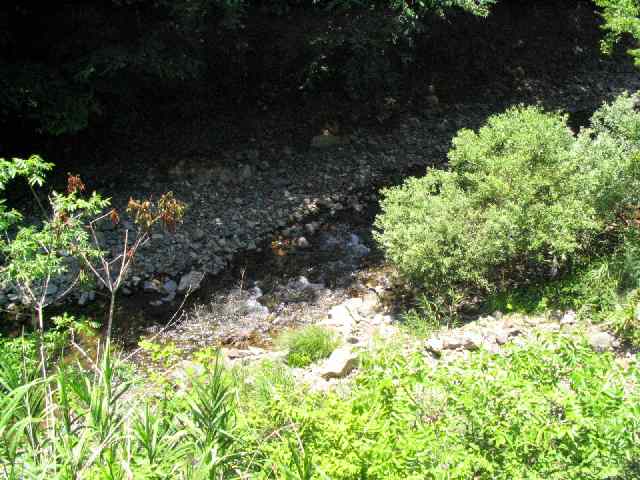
85, 355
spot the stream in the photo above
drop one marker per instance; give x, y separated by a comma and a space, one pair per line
284, 285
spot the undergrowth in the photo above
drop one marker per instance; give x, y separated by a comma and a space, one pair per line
550, 409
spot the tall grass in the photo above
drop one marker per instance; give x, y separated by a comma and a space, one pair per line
99, 427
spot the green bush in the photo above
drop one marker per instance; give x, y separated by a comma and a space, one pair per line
621, 17
308, 345
524, 198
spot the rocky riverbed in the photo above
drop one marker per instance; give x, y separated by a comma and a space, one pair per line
242, 198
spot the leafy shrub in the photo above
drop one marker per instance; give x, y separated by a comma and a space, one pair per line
620, 119
592, 291
308, 345
621, 17
524, 198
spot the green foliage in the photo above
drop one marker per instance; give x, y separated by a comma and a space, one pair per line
524, 199
35, 254
620, 17
553, 409
370, 55
431, 313
594, 291
18, 355
308, 345
165, 355
94, 53
625, 319
42, 95
102, 430
33, 170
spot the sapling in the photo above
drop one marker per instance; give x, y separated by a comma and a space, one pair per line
112, 272
35, 255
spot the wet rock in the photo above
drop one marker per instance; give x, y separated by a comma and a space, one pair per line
169, 287
341, 362
190, 281
302, 242
152, 286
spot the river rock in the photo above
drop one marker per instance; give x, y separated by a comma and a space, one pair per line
170, 287
435, 345
370, 305
302, 242
501, 336
569, 318
190, 281
52, 289
198, 234
86, 297
472, 340
452, 342
341, 362
343, 318
152, 286
433, 101
601, 341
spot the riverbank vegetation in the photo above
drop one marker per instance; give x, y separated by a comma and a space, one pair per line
541, 219
525, 203
531, 218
